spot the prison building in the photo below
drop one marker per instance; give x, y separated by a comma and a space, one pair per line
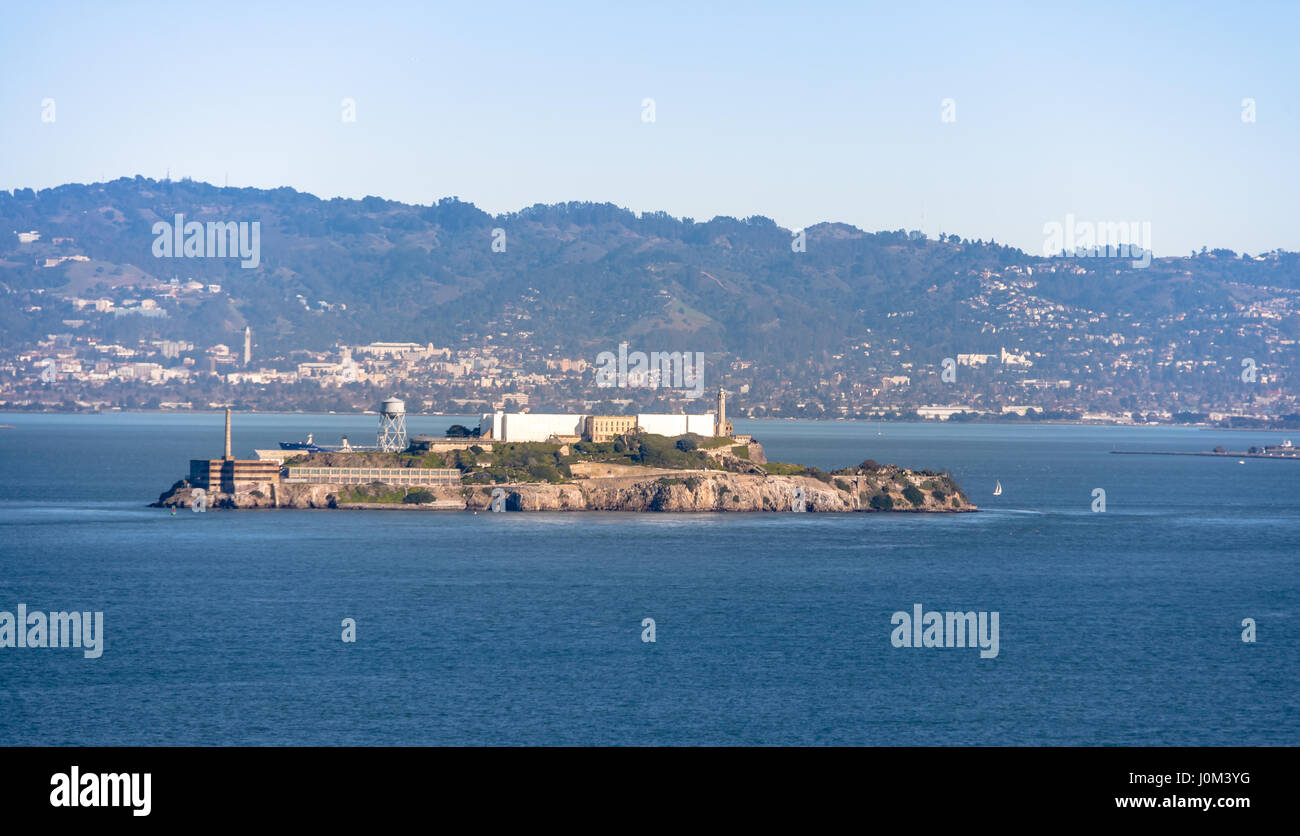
397, 476
607, 427
233, 475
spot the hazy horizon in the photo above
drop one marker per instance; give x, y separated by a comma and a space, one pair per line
984, 123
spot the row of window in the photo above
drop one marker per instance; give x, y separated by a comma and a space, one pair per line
371, 471
364, 480
360, 475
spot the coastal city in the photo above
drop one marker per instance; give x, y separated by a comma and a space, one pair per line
1034, 359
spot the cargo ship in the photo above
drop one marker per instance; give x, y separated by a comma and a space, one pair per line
308, 445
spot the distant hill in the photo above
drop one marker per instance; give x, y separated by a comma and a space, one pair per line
574, 276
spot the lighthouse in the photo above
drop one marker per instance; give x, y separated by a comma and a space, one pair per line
722, 427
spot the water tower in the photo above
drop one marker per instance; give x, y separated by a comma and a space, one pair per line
392, 426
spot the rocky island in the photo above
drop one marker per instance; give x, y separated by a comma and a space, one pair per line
637, 471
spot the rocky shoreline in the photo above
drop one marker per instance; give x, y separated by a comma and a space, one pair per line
887, 490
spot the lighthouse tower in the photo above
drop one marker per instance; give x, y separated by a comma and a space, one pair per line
722, 427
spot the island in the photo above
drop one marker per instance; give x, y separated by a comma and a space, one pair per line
633, 471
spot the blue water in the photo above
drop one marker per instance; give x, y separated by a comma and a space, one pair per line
1120, 627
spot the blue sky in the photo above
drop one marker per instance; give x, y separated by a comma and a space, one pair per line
802, 112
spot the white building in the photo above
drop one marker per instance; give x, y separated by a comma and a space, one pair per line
529, 426
943, 413
670, 425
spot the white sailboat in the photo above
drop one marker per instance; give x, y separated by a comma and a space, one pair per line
997, 491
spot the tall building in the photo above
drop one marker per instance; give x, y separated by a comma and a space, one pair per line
248, 345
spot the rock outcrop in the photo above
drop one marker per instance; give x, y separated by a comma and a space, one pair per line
889, 489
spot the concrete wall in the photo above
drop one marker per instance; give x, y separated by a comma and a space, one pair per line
531, 426
660, 424
490, 424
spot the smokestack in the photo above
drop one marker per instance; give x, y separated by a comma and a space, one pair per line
228, 434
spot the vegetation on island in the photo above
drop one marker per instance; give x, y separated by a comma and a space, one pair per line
535, 461
880, 487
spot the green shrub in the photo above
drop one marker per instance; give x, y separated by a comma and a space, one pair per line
914, 496
418, 497
544, 472
882, 502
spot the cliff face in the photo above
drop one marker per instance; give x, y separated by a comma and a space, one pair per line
686, 491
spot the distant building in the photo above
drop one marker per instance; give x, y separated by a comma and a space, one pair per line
943, 413
401, 350
1009, 359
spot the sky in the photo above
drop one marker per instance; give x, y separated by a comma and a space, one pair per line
1127, 113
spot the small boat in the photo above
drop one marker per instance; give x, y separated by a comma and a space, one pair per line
997, 491
1241, 461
